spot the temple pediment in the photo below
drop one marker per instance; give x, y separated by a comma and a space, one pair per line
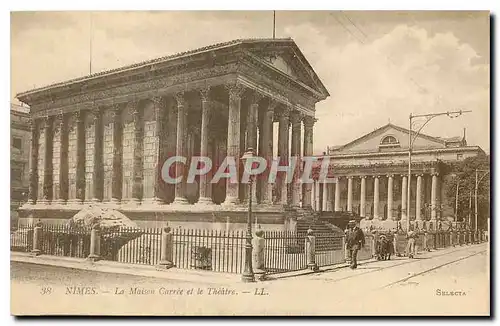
388, 138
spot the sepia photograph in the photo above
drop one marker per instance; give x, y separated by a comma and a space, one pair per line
250, 163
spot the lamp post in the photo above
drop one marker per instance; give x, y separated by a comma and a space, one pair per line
428, 117
248, 275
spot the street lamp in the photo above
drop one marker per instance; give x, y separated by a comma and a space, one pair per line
428, 117
248, 275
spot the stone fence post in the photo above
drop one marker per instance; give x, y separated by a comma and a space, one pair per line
95, 243
310, 246
167, 248
258, 263
451, 238
37, 235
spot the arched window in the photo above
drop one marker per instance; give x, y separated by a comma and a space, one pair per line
389, 140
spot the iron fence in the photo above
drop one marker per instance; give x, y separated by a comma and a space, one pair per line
284, 252
330, 249
21, 239
62, 240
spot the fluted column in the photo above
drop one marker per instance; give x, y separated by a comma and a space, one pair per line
296, 120
308, 122
180, 188
283, 134
404, 192
138, 152
267, 153
61, 193
233, 138
80, 156
337, 195
418, 199
252, 122
376, 182
117, 177
434, 194
349, 194
98, 175
390, 197
47, 177
205, 197
33, 186
362, 211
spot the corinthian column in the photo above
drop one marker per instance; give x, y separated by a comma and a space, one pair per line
362, 211
117, 178
80, 156
390, 197
296, 119
267, 151
180, 188
61, 194
138, 152
283, 133
233, 138
253, 111
47, 177
434, 194
404, 192
337, 195
349, 194
308, 122
98, 176
33, 186
376, 182
205, 197
418, 199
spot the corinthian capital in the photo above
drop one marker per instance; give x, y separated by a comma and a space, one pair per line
309, 121
180, 99
255, 97
204, 93
235, 90
296, 117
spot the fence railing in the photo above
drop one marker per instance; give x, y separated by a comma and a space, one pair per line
212, 250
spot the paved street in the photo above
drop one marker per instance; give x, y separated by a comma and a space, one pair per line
399, 286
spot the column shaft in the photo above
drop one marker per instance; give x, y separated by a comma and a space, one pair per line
308, 151
404, 192
283, 134
117, 177
337, 195
233, 139
47, 178
180, 188
390, 197
295, 152
376, 182
349, 194
98, 176
205, 197
80, 156
138, 152
362, 211
33, 186
434, 194
418, 199
267, 153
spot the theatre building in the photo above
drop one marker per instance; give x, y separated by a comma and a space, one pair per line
371, 178
100, 139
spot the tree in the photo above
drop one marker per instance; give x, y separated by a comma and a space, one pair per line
464, 173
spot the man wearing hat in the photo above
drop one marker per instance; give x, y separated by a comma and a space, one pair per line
355, 240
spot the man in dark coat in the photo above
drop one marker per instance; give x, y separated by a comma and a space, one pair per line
355, 240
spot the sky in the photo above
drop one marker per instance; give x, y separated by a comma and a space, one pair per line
377, 66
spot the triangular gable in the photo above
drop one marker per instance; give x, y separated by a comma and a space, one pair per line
372, 140
285, 56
